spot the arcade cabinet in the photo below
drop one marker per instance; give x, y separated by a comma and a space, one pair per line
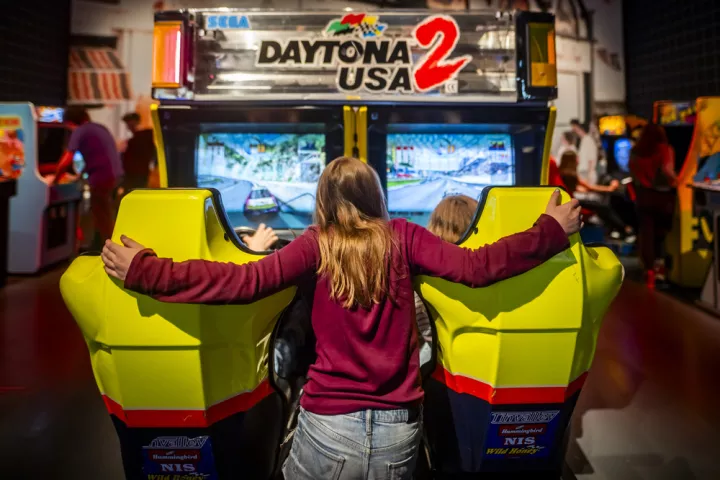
8, 188
253, 105
689, 244
43, 218
678, 119
618, 133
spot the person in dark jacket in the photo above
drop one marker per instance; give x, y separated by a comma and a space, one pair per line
652, 165
139, 154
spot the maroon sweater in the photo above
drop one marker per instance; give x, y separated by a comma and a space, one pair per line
366, 358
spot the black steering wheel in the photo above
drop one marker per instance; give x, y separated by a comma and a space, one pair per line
242, 231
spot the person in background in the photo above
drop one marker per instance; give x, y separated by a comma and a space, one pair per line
361, 408
102, 165
594, 133
569, 172
652, 166
587, 154
139, 154
567, 143
610, 211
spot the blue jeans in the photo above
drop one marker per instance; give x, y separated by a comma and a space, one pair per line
367, 445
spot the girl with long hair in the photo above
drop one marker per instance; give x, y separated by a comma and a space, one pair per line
361, 414
652, 165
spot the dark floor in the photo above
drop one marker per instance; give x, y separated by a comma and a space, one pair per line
650, 409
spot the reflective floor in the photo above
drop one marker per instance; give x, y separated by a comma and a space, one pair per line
650, 409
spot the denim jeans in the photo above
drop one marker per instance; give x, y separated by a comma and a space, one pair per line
367, 445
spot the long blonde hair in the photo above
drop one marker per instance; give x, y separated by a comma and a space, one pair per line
354, 236
452, 217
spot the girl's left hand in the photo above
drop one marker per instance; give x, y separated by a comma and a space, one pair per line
117, 258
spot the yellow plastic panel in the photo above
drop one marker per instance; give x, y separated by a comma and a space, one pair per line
159, 146
543, 62
160, 356
537, 329
545, 171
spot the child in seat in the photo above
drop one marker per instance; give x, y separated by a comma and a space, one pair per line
449, 221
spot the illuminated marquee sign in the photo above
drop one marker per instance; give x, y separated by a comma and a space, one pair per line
680, 113
368, 61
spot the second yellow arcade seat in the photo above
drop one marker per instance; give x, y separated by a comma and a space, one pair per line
513, 357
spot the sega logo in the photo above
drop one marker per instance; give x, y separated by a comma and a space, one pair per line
227, 22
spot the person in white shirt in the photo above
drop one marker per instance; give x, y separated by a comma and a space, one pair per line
587, 154
567, 144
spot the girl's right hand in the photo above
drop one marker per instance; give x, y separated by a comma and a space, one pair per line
566, 214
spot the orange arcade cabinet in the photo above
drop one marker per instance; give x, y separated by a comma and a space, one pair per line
43, 217
253, 104
690, 242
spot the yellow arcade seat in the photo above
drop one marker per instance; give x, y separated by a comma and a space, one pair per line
511, 358
186, 385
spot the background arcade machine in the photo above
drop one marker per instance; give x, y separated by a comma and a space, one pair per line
470, 124
689, 245
43, 218
12, 159
261, 138
618, 134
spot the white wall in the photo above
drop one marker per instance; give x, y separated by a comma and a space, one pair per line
609, 76
131, 22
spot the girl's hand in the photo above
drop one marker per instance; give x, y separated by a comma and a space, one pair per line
262, 240
567, 214
614, 185
117, 258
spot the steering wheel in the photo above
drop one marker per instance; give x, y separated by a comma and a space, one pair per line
280, 243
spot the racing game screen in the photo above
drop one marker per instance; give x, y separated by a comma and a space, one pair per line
268, 178
422, 169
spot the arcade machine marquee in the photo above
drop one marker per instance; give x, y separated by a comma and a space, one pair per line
255, 105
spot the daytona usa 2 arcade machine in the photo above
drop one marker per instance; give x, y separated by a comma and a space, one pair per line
252, 106
255, 104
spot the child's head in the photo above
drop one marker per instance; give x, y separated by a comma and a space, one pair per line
354, 237
452, 216
568, 138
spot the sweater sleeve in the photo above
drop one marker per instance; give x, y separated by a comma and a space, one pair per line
215, 283
508, 257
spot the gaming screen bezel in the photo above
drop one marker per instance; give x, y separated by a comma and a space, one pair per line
517, 121
183, 126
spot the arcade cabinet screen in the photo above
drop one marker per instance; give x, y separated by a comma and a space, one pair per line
52, 141
50, 114
422, 169
622, 153
612, 126
268, 178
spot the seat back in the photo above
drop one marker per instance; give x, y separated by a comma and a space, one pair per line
512, 357
186, 385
